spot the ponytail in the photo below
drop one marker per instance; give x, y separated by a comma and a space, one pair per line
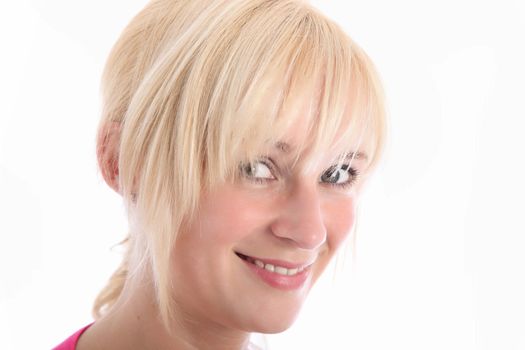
107, 297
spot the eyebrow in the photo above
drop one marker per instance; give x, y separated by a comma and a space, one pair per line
286, 148
283, 146
355, 155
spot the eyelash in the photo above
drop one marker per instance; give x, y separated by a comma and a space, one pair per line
352, 172
245, 167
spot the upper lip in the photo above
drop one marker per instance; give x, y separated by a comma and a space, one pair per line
277, 262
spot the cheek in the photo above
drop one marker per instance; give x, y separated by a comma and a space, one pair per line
340, 219
229, 215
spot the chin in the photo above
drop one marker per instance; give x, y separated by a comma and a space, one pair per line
272, 328
276, 322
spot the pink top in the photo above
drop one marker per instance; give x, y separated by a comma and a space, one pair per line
71, 342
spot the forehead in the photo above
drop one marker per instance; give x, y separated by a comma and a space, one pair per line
299, 117
315, 121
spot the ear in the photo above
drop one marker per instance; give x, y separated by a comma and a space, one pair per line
108, 142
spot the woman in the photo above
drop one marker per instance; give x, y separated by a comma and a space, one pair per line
239, 134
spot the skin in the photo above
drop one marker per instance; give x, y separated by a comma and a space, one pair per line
277, 212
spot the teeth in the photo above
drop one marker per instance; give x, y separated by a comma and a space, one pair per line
278, 269
281, 270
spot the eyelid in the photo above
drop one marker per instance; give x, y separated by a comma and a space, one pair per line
352, 171
265, 160
268, 162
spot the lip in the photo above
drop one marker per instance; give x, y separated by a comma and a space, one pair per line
275, 280
283, 263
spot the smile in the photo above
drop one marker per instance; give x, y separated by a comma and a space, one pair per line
289, 276
281, 270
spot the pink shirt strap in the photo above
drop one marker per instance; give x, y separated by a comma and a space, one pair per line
71, 342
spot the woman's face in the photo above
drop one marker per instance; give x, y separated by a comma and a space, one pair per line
255, 248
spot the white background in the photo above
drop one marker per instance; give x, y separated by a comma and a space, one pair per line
439, 260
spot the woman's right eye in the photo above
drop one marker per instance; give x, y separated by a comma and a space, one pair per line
258, 171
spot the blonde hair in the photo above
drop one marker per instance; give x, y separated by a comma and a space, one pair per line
199, 85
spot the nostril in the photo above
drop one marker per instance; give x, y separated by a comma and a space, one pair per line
302, 235
301, 218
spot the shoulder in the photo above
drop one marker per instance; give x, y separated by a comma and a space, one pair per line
71, 342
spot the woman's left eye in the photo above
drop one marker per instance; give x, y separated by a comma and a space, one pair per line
340, 175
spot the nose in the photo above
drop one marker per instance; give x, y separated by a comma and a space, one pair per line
301, 218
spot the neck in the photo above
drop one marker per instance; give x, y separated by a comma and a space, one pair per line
134, 323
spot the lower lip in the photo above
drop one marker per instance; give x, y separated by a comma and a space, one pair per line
280, 281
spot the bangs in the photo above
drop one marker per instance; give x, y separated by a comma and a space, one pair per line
312, 63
